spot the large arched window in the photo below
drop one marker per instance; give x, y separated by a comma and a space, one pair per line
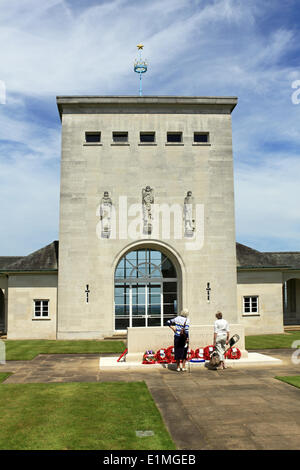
145, 289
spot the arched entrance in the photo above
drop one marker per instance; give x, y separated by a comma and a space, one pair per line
146, 289
291, 302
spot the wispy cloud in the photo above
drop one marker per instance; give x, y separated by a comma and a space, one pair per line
194, 47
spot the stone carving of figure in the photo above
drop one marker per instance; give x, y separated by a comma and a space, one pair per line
189, 222
147, 201
105, 215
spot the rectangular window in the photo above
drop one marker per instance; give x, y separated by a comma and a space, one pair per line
250, 305
174, 137
147, 137
120, 137
93, 136
201, 137
41, 308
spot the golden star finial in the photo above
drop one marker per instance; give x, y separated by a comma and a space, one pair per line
140, 46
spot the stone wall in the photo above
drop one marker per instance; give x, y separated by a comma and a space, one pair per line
23, 289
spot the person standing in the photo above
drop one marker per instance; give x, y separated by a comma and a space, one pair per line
221, 338
181, 338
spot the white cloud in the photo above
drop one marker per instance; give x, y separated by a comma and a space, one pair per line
267, 202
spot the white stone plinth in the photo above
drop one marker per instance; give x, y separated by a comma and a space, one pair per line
140, 340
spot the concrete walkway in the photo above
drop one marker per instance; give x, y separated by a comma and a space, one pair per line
230, 409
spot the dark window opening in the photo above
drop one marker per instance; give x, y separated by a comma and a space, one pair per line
120, 136
92, 136
147, 136
201, 137
174, 137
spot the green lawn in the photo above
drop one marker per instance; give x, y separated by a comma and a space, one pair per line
21, 350
283, 340
292, 380
80, 416
4, 375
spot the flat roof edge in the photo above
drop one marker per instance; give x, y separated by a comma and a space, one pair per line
89, 100
99, 99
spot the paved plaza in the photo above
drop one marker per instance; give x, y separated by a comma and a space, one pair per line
237, 408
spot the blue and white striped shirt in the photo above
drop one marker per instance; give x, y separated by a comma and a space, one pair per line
179, 323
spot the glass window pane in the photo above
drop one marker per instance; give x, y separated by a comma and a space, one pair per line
170, 298
138, 322
154, 309
138, 309
141, 256
122, 310
154, 321
132, 256
120, 273
155, 272
142, 270
170, 309
155, 256
167, 268
121, 323
170, 287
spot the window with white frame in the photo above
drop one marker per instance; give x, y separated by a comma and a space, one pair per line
41, 308
250, 304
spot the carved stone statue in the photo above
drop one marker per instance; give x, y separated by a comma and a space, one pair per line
189, 222
105, 215
147, 201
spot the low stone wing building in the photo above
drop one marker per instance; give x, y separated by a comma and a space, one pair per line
268, 292
268, 289
28, 294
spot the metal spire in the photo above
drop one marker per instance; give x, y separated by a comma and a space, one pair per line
140, 65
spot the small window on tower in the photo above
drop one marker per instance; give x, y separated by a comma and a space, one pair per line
174, 137
201, 137
147, 137
93, 137
120, 137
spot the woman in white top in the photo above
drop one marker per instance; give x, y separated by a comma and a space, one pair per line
221, 337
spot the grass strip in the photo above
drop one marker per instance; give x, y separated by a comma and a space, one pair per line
80, 416
292, 380
22, 350
279, 341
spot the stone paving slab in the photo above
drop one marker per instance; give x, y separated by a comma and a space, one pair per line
47, 368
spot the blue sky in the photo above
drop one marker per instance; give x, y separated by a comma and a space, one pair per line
248, 49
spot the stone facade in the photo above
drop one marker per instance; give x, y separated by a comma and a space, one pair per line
124, 169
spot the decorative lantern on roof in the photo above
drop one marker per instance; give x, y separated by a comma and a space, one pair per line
140, 65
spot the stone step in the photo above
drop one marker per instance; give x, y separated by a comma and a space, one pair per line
292, 328
117, 337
